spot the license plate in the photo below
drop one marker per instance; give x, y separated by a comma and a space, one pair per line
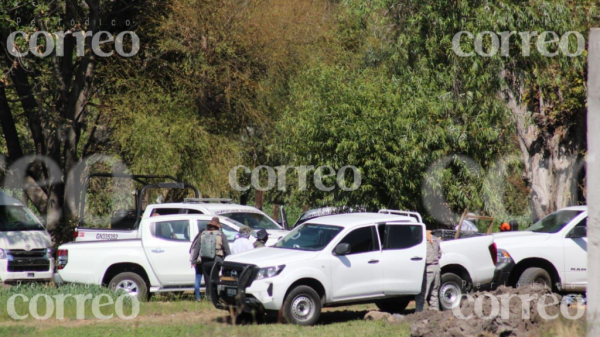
30, 274
231, 292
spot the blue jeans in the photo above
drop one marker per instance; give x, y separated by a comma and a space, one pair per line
198, 282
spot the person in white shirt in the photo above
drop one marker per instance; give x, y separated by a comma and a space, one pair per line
242, 241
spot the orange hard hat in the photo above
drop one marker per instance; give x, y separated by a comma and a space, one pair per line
505, 226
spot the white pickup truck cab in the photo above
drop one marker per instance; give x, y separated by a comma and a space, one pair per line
553, 252
157, 260
239, 215
25, 245
340, 260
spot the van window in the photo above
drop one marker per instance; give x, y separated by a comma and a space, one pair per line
18, 218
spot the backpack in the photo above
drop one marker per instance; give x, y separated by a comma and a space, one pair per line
208, 244
192, 250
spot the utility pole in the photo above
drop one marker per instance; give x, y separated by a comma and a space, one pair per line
593, 185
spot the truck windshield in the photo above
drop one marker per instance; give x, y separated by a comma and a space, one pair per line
554, 222
311, 237
18, 218
252, 220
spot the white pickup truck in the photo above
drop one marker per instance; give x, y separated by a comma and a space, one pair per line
345, 259
157, 260
238, 214
553, 252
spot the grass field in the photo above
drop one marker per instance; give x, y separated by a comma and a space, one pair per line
173, 316
180, 315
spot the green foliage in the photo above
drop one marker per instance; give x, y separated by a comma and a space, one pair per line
373, 84
391, 128
407, 101
158, 133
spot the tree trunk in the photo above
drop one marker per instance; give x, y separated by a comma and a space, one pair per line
551, 156
553, 182
258, 199
593, 186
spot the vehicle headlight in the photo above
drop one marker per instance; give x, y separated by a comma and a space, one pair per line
2, 254
269, 272
503, 257
49, 252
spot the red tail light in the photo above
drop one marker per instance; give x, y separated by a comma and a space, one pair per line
77, 234
63, 258
494, 253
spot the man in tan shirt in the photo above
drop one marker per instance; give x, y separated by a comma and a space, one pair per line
431, 280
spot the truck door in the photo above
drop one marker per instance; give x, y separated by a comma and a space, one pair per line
575, 250
167, 247
403, 257
358, 274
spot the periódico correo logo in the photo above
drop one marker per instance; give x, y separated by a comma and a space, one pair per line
56, 41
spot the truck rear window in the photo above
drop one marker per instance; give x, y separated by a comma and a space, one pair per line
554, 222
253, 220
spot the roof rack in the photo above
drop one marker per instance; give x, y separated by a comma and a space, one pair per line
415, 215
206, 200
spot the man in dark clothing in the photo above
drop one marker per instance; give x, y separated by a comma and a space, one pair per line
197, 265
221, 251
261, 238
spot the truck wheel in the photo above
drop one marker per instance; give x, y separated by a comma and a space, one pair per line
535, 275
302, 306
394, 305
452, 289
131, 283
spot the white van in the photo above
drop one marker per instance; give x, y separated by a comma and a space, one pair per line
25, 245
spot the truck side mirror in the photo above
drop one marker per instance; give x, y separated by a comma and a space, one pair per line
342, 249
578, 232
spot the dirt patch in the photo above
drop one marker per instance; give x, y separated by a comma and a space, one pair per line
517, 318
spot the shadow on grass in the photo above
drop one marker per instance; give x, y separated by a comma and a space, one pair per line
327, 317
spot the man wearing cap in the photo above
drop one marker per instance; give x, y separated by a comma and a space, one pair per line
221, 249
261, 238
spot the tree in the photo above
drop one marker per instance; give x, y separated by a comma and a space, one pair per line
545, 96
391, 128
53, 97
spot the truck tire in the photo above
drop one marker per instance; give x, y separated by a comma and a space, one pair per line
394, 305
535, 275
302, 306
452, 289
131, 283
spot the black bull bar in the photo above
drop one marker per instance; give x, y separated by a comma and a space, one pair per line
229, 292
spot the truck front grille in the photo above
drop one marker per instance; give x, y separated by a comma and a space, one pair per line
17, 253
28, 260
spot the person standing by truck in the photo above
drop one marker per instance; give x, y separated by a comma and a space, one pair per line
211, 249
431, 279
197, 265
